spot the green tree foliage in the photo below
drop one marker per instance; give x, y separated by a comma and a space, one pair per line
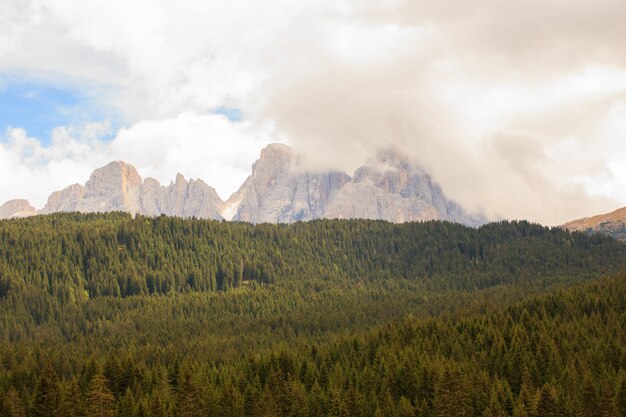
46, 399
105, 315
74, 257
12, 405
99, 399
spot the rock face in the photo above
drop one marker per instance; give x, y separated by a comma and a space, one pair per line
280, 190
118, 187
612, 224
16, 208
193, 198
114, 187
388, 187
65, 200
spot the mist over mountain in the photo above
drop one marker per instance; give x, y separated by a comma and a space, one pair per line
280, 189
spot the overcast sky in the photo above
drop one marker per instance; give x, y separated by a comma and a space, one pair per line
518, 108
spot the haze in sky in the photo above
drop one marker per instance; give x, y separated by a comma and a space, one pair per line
517, 108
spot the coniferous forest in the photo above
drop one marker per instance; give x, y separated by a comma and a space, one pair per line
108, 315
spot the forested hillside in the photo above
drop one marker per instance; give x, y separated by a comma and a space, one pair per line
109, 315
75, 257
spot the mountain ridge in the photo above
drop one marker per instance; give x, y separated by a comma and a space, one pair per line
612, 224
279, 189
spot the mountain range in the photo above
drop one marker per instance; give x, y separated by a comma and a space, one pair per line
612, 224
280, 189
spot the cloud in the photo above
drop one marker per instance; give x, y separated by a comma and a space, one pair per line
32, 171
505, 105
515, 107
209, 147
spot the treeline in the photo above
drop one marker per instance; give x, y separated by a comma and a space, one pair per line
74, 257
557, 355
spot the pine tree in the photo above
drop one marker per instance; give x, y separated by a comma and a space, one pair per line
606, 406
526, 400
405, 408
495, 408
126, 404
547, 402
589, 396
452, 395
100, 402
189, 402
72, 401
161, 399
142, 410
231, 401
47, 396
13, 405
620, 395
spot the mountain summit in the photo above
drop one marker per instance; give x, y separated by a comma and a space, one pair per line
280, 189
390, 187
118, 187
16, 209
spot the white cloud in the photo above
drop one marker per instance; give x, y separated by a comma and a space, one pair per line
516, 106
32, 171
209, 147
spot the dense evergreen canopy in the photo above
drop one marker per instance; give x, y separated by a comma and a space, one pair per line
103, 314
74, 256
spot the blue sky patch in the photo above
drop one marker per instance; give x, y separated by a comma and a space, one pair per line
233, 114
39, 107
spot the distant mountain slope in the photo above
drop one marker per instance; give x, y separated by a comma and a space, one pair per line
612, 224
280, 189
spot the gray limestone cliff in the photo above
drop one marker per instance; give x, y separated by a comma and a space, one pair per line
193, 198
118, 187
280, 190
114, 187
16, 208
389, 187
65, 200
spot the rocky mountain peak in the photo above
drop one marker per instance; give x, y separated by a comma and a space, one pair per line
116, 169
391, 187
66, 199
118, 187
279, 189
275, 162
114, 187
388, 170
275, 151
180, 180
16, 208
